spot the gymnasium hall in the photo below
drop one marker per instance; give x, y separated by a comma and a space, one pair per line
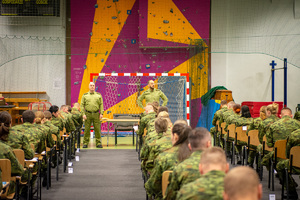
149, 99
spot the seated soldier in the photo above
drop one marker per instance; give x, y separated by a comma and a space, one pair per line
31, 132
167, 161
69, 124
150, 114
242, 183
7, 153
77, 115
293, 140
187, 171
234, 117
162, 144
210, 185
161, 127
56, 119
39, 123
280, 130
53, 129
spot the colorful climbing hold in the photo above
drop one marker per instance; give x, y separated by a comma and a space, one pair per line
84, 66
96, 5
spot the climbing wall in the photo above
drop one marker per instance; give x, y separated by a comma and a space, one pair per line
140, 36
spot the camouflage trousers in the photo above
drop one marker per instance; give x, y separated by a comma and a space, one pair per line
281, 165
218, 135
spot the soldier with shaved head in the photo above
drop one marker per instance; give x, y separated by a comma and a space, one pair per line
210, 185
242, 183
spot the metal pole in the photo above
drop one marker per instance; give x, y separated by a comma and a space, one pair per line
285, 83
273, 81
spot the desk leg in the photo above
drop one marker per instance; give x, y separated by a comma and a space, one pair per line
107, 133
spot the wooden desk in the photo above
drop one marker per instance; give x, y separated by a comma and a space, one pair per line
42, 92
114, 121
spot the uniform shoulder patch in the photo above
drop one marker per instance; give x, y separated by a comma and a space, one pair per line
85, 93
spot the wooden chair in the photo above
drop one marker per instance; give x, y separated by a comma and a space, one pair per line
279, 152
254, 141
19, 153
223, 132
241, 136
231, 139
165, 181
5, 167
294, 162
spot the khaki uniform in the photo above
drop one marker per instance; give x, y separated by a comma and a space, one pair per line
91, 104
151, 96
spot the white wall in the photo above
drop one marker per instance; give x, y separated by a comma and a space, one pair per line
246, 35
32, 55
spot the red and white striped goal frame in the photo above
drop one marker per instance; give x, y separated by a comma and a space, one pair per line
155, 74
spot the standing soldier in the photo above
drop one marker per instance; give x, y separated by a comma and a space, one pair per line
152, 95
91, 104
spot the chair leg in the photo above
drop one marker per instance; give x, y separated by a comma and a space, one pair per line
270, 169
133, 137
57, 164
287, 184
116, 136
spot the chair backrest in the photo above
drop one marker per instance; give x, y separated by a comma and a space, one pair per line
254, 137
219, 128
295, 151
266, 146
281, 148
19, 153
125, 125
231, 130
241, 134
223, 127
165, 181
5, 167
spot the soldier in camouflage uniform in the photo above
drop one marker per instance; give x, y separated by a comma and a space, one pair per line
18, 140
297, 116
210, 185
254, 126
292, 141
167, 161
161, 126
31, 132
224, 116
39, 123
188, 170
7, 153
92, 110
56, 120
280, 130
150, 114
53, 129
242, 183
69, 124
217, 116
152, 95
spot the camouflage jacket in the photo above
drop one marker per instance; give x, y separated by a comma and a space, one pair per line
34, 135
293, 140
77, 117
218, 115
231, 120
144, 121
160, 146
208, 186
225, 115
69, 122
184, 173
264, 126
18, 140
53, 130
164, 161
297, 116
7, 153
57, 122
151, 96
243, 121
255, 124
46, 134
281, 129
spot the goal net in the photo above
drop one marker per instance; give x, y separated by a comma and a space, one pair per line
121, 90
